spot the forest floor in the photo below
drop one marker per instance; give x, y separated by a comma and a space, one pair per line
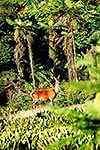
32, 112
27, 113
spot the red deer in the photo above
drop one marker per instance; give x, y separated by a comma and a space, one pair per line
42, 95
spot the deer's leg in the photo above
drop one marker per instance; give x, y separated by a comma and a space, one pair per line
33, 103
40, 103
51, 103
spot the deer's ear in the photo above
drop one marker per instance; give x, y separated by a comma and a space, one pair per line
58, 78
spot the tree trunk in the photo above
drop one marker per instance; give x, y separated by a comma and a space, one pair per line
52, 49
18, 56
70, 52
30, 43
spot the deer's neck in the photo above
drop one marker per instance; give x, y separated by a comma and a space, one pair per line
56, 87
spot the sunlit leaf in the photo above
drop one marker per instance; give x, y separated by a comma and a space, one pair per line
10, 22
50, 23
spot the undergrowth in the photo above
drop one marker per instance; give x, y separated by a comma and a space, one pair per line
58, 126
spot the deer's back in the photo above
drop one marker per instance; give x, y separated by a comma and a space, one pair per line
44, 94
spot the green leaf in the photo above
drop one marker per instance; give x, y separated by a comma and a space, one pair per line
56, 145
28, 86
69, 3
16, 33
97, 49
29, 23
18, 22
50, 23
97, 102
43, 25
10, 22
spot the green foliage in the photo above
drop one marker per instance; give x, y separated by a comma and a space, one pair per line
34, 15
28, 86
35, 132
7, 77
87, 87
93, 107
5, 53
7, 9
91, 61
78, 92
57, 128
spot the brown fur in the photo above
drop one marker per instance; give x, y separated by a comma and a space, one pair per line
43, 95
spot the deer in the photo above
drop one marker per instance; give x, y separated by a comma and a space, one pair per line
42, 95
